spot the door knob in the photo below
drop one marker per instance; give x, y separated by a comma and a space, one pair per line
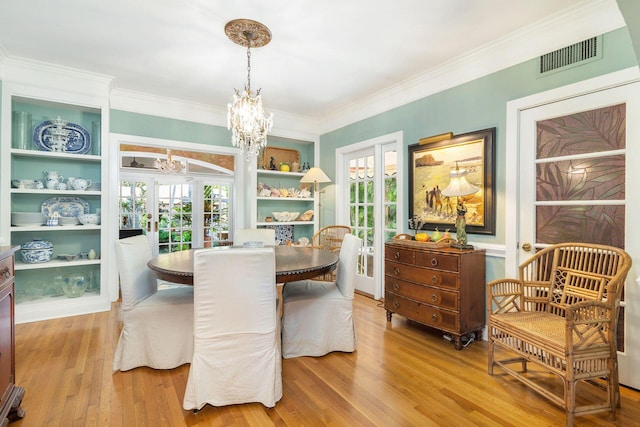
526, 247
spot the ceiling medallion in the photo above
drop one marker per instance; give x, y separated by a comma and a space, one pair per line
241, 31
246, 118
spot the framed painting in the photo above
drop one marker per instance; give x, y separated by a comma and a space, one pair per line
430, 168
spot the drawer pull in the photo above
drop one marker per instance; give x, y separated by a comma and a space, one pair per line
396, 287
434, 279
435, 317
6, 272
396, 304
434, 297
396, 271
434, 261
396, 255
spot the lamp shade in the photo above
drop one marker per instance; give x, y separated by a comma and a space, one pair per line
459, 186
315, 175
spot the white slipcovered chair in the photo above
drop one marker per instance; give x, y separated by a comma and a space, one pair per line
158, 324
264, 235
237, 357
318, 315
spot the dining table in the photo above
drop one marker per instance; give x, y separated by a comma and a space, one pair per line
292, 263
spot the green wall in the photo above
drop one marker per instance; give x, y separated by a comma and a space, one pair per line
475, 105
129, 123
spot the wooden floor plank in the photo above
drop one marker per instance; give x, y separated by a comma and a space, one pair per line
402, 374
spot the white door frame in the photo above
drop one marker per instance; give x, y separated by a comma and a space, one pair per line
115, 140
515, 110
342, 192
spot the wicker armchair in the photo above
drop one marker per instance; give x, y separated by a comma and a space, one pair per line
561, 315
330, 239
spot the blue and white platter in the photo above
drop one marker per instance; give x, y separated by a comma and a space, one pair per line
78, 141
66, 207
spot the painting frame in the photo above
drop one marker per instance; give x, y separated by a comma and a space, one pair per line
430, 164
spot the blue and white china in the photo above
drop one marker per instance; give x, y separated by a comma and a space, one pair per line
67, 207
79, 183
53, 220
89, 219
59, 135
36, 251
78, 140
25, 184
52, 179
75, 284
52, 175
61, 186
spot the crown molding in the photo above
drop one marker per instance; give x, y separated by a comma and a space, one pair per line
154, 105
3, 57
42, 74
285, 124
569, 26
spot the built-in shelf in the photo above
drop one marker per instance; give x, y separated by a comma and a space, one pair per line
285, 223
288, 199
270, 172
54, 263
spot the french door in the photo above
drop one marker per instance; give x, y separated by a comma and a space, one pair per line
176, 213
576, 174
368, 203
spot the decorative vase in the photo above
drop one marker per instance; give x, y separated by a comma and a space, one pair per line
22, 129
75, 284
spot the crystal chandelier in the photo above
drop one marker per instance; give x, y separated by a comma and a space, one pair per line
246, 118
169, 165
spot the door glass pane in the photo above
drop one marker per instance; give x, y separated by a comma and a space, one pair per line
132, 204
390, 195
600, 178
216, 213
362, 198
582, 223
174, 217
594, 131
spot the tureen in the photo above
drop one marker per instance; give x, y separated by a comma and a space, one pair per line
36, 251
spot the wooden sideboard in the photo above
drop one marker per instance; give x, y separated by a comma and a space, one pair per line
443, 288
11, 395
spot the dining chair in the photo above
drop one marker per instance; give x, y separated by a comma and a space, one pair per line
329, 238
265, 235
237, 356
157, 323
317, 315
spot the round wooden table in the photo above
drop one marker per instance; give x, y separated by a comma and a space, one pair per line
292, 263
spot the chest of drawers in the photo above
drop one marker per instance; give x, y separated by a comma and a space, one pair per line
10, 394
442, 288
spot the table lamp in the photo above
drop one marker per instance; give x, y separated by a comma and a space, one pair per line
316, 175
459, 187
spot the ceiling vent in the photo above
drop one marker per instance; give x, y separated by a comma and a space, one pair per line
570, 56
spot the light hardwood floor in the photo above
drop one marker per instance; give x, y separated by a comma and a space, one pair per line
401, 375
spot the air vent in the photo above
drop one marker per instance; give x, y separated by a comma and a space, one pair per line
569, 56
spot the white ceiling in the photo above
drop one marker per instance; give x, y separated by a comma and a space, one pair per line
325, 55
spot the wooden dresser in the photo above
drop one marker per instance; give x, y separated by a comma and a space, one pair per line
11, 395
443, 288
